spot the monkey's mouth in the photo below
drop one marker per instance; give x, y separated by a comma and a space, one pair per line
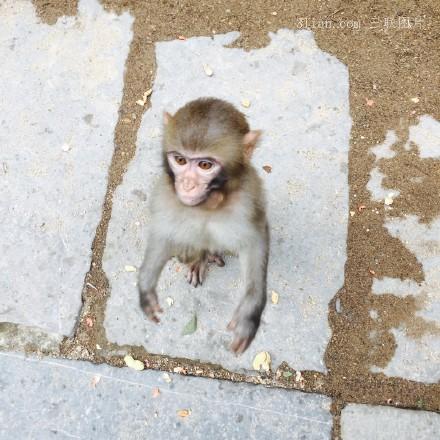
190, 200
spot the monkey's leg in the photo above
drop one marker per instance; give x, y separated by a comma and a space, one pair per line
246, 318
156, 255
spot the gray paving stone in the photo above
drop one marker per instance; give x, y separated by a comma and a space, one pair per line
365, 422
55, 399
414, 358
60, 92
299, 97
18, 337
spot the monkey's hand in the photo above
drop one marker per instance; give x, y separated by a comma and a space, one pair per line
150, 304
245, 329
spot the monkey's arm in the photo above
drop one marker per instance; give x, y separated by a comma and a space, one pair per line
156, 255
246, 319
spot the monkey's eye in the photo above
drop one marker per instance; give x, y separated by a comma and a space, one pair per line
180, 160
205, 165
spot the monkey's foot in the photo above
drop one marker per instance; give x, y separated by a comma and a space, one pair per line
244, 332
197, 270
217, 259
150, 305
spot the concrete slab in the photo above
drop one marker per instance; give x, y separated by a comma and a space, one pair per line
56, 399
299, 96
383, 423
18, 337
60, 92
417, 357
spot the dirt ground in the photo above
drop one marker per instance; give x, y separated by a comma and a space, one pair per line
392, 50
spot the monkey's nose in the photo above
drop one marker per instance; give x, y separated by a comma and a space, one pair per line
188, 184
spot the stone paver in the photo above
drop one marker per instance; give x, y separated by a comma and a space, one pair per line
55, 399
299, 96
58, 111
365, 422
416, 358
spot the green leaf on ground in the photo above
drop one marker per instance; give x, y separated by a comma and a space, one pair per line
191, 326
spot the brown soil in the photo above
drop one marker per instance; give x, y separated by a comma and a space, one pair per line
388, 65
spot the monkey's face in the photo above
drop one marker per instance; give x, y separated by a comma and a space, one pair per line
194, 176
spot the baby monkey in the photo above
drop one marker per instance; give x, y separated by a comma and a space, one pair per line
209, 201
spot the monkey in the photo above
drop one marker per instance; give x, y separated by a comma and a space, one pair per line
209, 201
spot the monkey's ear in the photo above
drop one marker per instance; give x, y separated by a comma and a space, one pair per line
167, 118
250, 140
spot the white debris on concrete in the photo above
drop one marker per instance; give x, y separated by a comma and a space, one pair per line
426, 135
382, 151
417, 358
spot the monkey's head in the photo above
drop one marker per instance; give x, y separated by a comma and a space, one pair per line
207, 146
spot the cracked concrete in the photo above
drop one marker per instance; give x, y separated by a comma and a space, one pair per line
382, 347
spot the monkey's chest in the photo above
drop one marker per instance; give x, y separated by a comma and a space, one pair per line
224, 233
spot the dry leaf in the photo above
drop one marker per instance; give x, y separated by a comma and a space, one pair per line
94, 381
415, 100
275, 297
262, 361
372, 271
181, 37
179, 370
208, 69
170, 301
129, 268
132, 363
155, 392
298, 376
369, 102
89, 322
352, 213
166, 377
267, 168
140, 102
246, 103
183, 413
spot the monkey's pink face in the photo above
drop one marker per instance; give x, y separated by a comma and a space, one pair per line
193, 176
